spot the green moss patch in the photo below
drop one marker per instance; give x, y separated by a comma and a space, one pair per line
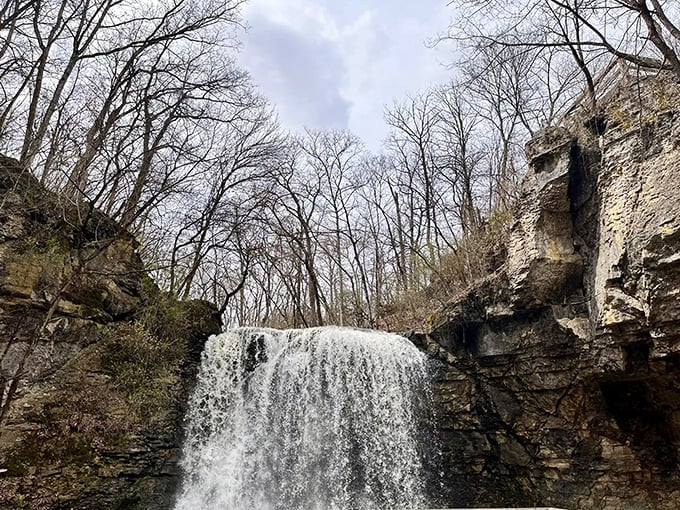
143, 369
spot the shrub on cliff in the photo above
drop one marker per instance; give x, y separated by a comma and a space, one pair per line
475, 256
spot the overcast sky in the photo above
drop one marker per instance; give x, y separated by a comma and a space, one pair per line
336, 63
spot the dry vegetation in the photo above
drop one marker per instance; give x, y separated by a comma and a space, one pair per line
476, 256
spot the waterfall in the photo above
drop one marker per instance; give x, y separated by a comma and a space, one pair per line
316, 419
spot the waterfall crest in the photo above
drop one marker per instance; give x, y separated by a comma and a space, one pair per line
316, 419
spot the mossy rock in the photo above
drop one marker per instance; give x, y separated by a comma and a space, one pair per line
193, 321
13, 177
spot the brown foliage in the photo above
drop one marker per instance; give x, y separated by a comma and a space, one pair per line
477, 255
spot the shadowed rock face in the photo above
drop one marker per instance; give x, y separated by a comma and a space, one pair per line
559, 381
105, 362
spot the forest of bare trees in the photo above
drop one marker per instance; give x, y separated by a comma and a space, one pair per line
142, 112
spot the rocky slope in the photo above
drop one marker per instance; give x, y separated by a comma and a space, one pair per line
96, 364
559, 381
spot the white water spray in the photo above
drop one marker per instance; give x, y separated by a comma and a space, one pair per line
317, 419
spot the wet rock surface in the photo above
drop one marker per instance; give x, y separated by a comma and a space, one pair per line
559, 375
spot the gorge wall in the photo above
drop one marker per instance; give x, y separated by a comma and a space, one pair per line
558, 376
97, 364
559, 381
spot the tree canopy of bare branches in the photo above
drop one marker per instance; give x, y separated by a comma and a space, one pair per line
149, 119
643, 33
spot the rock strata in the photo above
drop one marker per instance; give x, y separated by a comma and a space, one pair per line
559, 375
96, 364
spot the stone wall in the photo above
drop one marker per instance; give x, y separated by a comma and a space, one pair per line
96, 364
559, 375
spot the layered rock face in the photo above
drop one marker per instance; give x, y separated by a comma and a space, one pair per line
96, 364
559, 375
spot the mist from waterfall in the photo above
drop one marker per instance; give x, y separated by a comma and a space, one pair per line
316, 419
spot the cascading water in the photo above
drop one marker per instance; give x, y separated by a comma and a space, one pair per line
316, 419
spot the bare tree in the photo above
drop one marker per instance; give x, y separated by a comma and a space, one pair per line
413, 129
591, 31
459, 158
335, 157
60, 55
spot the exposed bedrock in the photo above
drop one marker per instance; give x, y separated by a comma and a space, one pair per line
559, 381
96, 365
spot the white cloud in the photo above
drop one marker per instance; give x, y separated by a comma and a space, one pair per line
299, 73
326, 64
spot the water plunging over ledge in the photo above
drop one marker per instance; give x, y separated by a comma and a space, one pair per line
317, 419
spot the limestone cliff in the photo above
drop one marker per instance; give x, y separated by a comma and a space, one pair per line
559, 381
96, 363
